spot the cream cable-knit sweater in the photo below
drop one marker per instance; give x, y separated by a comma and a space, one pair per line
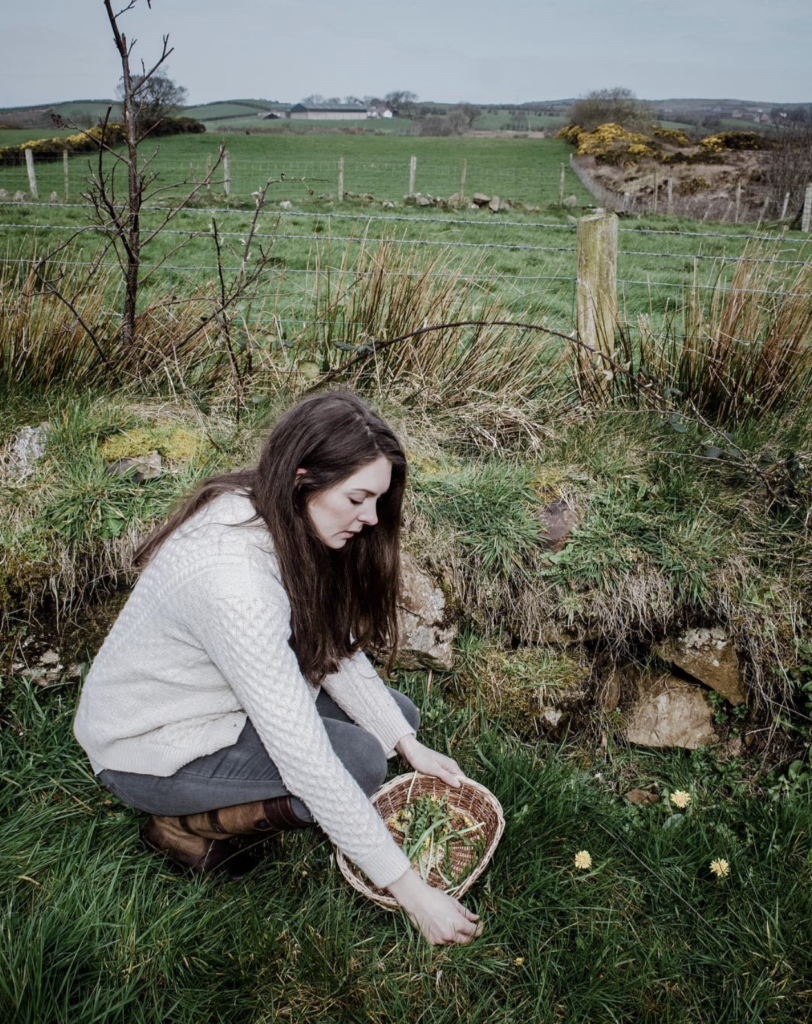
202, 642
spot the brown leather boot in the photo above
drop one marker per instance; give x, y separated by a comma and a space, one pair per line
266, 816
201, 841
164, 834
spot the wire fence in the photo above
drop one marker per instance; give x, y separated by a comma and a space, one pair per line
529, 264
295, 179
417, 216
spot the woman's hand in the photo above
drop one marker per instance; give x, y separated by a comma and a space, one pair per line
441, 918
430, 762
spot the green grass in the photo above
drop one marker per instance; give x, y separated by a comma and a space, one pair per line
98, 930
17, 136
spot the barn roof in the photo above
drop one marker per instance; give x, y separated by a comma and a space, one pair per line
342, 108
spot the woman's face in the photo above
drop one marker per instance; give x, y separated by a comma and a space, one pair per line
342, 511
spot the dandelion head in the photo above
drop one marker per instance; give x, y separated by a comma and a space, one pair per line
680, 798
720, 868
519, 961
583, 860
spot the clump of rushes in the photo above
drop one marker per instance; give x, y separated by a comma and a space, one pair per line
429, 826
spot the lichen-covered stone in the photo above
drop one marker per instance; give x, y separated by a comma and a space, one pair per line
709, 656
425, 639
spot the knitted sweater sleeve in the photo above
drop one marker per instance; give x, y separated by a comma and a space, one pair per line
244, 626
359, 690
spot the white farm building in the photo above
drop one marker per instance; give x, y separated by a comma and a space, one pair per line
344, 112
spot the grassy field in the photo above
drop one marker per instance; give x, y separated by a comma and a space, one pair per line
526, 260
692, 505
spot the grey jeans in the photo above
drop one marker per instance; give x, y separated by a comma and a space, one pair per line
244, 772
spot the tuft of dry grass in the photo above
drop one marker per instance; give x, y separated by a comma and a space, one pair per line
46, 342
383, 293
741, 354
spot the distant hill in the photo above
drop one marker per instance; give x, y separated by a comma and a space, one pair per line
239, 113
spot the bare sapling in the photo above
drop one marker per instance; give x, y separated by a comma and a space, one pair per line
117, 214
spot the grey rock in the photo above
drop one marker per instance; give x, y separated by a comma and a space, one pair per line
425, 641
670, 713
53, 198
558, 520
552, 716
570, 201
24, 452
146, 468
480, 199
3, 194
19, 197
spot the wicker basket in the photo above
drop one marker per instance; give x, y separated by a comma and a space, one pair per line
471, 798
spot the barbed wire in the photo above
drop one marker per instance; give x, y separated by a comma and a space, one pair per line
363, 239
465, 277
418, 218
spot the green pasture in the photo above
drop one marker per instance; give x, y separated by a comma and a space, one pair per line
522, 169
525, 260
17, 136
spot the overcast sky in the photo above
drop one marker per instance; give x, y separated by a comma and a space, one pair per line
448, 50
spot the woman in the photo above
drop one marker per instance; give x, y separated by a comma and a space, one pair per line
232, 695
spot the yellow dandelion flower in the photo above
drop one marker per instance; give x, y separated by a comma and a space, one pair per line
583, 860
680, 798
720, 868
519, 961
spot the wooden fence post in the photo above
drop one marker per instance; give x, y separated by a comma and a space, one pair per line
656, 190
226, 172
463, 176
784, 207
32, 177
208, 172
341, 179
763, 210
65, 173
670, 206
561, 182
806, 216
596, 297
412, 174
738, 200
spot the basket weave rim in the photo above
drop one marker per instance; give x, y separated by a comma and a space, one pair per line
349, 871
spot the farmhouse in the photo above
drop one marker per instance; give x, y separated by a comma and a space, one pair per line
339, 112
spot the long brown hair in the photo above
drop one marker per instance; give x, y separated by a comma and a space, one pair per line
341, 600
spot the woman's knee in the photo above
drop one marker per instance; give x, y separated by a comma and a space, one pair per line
366, 761
408, 708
